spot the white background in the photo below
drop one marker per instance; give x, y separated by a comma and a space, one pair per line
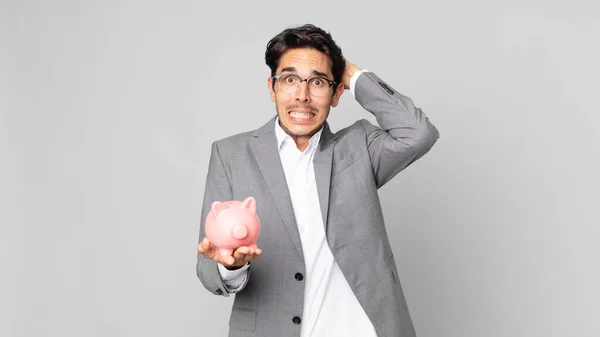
109, 109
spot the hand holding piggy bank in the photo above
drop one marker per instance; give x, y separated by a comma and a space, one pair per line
232, 224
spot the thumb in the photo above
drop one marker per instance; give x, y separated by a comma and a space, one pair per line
205, 247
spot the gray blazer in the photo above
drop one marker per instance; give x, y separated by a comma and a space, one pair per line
350, 166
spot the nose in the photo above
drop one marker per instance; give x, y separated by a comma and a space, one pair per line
303, 95
239, 232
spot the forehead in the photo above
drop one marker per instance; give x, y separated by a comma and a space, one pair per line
305, 61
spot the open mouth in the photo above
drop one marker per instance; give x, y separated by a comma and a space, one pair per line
301, 116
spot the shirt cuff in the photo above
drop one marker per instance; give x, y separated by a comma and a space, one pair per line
353, 80
231, 275
233, 280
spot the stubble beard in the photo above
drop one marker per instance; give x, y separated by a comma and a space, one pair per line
309, 133
292, 106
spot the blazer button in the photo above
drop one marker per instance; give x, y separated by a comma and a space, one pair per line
299, 276
296, 320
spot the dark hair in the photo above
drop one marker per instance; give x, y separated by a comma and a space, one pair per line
306, 36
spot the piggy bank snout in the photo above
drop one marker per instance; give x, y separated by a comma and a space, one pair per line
239, 232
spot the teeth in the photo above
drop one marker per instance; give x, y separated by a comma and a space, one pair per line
300, 115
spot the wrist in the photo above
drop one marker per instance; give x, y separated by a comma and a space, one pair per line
234, 267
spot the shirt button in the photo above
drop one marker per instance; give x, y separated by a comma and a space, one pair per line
296, 320
299, 276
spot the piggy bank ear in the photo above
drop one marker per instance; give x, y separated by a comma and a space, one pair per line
249, 203
217, 207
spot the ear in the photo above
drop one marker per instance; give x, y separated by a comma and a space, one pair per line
216, 208
271, 91
339, 90
249, 203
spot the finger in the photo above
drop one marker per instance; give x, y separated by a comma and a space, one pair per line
224, 260
243, 250
204, 245
239, 253
256, 255
242, 255
207, 249
228, 260
255, 252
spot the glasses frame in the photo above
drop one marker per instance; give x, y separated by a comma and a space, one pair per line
330, 82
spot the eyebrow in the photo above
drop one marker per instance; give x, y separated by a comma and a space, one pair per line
293, 69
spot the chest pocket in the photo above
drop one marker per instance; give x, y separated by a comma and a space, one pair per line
345, 162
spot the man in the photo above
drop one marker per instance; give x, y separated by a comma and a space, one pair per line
324, 265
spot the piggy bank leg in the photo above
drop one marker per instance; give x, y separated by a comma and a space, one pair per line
225, 252
253, 246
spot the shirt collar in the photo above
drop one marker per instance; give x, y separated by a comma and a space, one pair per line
283, 137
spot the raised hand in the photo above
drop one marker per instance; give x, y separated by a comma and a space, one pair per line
348, 72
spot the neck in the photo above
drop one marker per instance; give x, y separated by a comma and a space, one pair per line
301, 142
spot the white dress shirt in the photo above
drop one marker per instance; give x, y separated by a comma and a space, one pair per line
330, 307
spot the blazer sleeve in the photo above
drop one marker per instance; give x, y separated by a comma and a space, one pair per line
404, 133
217, 188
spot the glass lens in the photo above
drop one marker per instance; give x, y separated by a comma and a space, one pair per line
317, 86
289, 83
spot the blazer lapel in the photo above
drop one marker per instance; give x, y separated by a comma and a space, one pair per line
322, 165
264, 147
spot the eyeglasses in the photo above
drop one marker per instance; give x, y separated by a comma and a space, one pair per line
317, 85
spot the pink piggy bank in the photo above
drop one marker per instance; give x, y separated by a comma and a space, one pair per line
232, 224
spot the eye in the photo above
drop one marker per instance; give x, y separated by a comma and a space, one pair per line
289, 79
317, 82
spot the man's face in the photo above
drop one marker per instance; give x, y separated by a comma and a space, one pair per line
301, 113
